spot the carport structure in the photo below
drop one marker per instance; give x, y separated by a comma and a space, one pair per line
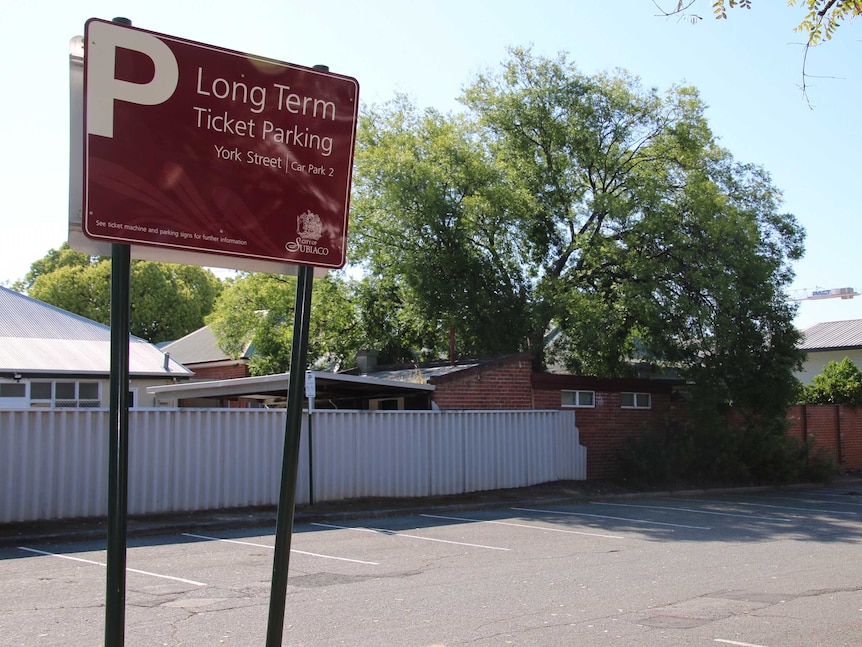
333, 391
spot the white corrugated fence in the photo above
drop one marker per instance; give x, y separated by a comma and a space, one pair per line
53, 463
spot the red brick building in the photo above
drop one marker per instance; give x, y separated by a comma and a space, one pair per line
608, 410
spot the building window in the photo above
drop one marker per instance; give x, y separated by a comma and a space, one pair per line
42, 394
65, 395
13, 395
578, 398
41, 391
635, 400
10, 390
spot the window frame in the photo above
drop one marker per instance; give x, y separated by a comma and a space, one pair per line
68, 387
577, 399
6, 389
636, 397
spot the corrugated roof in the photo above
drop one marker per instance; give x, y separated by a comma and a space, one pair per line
420, 375
38, 337
833, 335
23, 317
198, 346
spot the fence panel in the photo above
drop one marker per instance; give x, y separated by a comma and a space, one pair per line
54, 462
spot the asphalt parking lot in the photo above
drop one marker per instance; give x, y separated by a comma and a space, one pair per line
748, 568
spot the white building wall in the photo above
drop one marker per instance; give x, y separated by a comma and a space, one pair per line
817, 360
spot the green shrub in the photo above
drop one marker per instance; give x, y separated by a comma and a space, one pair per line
718, 454
839, 383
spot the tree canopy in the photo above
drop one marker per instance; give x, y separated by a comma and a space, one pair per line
586, 204
167, 300
257, 310
432, 222
839, 383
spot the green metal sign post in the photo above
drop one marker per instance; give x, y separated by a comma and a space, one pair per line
118, 447
290, 460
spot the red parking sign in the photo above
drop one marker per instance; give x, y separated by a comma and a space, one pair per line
201, 149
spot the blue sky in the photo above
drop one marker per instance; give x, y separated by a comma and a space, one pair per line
748, 70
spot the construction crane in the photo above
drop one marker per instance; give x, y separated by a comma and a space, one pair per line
820, 293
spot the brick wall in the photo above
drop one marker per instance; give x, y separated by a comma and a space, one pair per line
835, 428
218, 371
500, 384
509, 383
604, 427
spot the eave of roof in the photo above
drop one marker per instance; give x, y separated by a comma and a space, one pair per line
275, 385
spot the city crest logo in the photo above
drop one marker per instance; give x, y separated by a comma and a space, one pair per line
309, 229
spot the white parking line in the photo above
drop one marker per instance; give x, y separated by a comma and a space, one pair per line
674, 509
767, 505
737, 643
95, 563
292, 550
523, 525
603, 516
404, 534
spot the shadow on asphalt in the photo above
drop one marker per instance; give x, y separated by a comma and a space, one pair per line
544, 500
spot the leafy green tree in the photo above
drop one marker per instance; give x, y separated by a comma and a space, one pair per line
431, 210
65, 256
391, 324
257, 309
839, 383
643, 228
590, 204
82, 289
167, 300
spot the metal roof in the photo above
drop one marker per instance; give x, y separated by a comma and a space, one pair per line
36, 337
420, 374
276, 385
198, 347
833, 335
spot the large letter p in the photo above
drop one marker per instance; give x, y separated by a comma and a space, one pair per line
102, 86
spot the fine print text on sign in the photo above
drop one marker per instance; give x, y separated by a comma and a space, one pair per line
202, 149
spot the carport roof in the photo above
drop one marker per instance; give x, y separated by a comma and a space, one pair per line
276, 385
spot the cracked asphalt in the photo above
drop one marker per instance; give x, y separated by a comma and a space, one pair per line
562, 564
